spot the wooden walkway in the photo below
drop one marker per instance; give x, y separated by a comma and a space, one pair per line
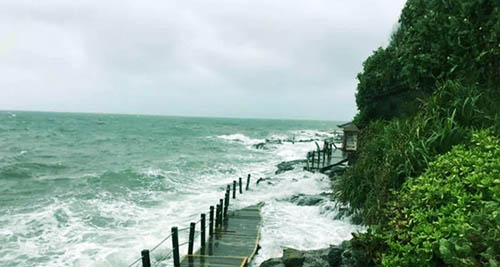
233, 244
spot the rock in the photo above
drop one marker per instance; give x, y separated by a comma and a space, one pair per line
260, 180
353, 256
307, 200
267, 144
292, 257
343, 255
316, 258
335, 257
260, 146
288, 165
273, 262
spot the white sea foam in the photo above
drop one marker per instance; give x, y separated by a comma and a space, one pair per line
77, 232
241, 138
285, 223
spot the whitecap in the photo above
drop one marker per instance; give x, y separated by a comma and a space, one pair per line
240, 138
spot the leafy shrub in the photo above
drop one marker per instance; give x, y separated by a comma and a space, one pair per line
450, 215
437, 40
433, 87
392, 151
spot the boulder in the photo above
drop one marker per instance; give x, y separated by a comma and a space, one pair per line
292, 257
260, 180
343, 255
273, 262
307, 200
288, 165
335, 257
267, 144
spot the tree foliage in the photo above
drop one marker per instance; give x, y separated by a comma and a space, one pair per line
450, 215
426, 173
437, 40
395, 150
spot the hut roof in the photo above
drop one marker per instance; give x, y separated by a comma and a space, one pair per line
350, 126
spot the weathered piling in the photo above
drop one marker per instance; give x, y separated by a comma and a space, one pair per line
221, 203
226, 204
175, 246
307, 160
234, 189
319, 157
324, 156
211, 221
312, 162
248, 182
202, 230
241, 190
146, 261
192, 228
217, 216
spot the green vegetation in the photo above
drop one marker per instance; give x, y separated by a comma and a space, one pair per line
425, 104
451, 213
438, 40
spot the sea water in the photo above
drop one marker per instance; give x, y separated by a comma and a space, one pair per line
95, 189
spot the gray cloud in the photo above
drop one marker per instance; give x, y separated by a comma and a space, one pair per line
261, 58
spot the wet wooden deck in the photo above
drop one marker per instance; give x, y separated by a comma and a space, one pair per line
233, 244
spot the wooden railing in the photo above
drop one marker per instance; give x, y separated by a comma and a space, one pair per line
320, 158
215, 222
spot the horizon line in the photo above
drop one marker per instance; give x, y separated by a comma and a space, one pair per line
167, 115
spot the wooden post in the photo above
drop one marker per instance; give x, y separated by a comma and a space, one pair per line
191, 238
312, 162
146, 262
221, 203
241, 190
234, 189
226, 205
175, 246
217, 211
319, 158
324, 157
211, 221
307, 160
202, 230
329, 153
248, 181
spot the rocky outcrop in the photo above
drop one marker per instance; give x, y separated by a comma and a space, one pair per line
268, 144
343, 255
307, 200
289, 165
261, 180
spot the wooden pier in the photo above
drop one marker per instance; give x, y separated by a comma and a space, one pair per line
231, 240
235, 243
321, 158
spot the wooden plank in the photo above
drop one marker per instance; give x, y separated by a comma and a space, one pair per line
200, 260
235, 243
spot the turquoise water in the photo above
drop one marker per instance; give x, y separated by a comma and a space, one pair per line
93, 190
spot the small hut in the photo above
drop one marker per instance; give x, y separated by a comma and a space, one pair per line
350, 140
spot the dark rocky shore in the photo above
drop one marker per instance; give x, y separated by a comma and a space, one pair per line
347, 254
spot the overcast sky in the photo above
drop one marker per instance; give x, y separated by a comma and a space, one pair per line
294, 59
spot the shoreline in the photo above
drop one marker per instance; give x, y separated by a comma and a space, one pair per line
344, 254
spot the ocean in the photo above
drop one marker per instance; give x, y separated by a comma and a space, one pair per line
95, 189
